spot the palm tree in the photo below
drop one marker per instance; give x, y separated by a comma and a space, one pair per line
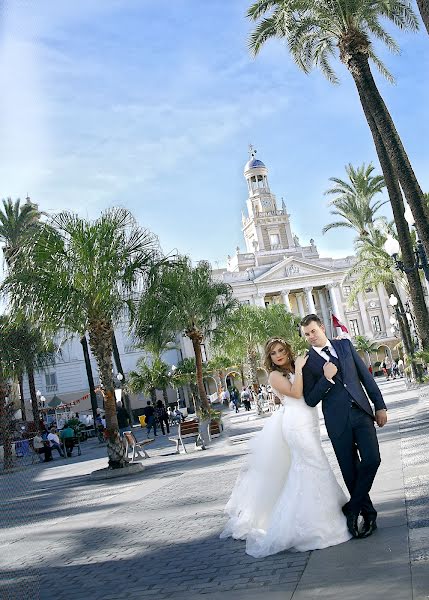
185, 298
8, 364
373, 267
354, 199
17, 222
317, 31
149, 377
424, 12
79, 276
363, 344
249, 327
218, 365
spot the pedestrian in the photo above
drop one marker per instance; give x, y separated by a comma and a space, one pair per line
123, 418
245, 398
235, 399
162, 416
401, 367
42, 447
149, 413
67, 434
54, 441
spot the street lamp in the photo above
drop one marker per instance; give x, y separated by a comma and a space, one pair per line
118, 391
391, 246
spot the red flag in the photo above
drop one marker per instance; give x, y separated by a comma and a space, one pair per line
337, 323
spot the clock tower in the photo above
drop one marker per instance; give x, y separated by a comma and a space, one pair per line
266, 227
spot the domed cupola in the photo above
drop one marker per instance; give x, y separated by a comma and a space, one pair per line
256, 173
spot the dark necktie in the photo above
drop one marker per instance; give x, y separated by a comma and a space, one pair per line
333, 359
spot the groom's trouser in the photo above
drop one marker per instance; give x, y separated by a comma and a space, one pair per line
358, 455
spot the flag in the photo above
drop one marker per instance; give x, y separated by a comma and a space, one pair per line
337, 323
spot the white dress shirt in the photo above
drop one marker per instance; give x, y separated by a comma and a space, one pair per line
324, 355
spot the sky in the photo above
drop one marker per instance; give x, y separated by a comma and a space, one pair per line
152, 104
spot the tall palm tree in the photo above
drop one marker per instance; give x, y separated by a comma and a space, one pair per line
17, 222
424, 12
317, 31
354, 199
218, 365
8, 364
80, 276
375, 266
185, 298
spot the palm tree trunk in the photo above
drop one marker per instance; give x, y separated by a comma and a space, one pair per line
118, 363
424, 11
358, 65
196, 344
21, 393
252, 369
5, 428
90, 378
243, 383
404, 329
165, 396
100, 340
33, 396
403, 232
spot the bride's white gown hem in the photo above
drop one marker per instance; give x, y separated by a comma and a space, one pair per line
287, 497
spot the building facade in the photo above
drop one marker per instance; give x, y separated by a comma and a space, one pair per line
277, 268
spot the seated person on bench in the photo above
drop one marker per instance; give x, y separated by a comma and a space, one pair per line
67, 435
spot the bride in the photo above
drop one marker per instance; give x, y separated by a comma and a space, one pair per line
286, 496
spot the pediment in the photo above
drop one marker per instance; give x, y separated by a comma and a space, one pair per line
290, 268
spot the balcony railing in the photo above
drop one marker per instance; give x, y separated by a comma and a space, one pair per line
52, 388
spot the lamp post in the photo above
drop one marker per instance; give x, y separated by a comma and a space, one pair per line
118, 391
391, 246
401, 321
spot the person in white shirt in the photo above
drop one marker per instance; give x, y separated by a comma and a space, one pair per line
54, 441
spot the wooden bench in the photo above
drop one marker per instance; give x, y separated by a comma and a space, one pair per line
215, 428
188, 429
137, 447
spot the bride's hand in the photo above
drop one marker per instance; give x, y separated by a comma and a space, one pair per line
300, 362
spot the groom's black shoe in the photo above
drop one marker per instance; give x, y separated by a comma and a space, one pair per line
369, 526
352, 524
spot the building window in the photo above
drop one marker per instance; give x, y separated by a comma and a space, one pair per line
274, 240
354, 327
376, 325
51, 382
346, 290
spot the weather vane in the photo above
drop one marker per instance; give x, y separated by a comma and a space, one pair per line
252, 151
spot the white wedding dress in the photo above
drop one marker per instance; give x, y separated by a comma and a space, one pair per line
287, 496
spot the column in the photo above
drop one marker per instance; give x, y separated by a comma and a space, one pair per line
310, 302
324, 308
300, 302
367, 331
259, 300
286, 301
336, 309
384, 308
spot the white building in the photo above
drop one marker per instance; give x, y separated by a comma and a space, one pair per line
277, 268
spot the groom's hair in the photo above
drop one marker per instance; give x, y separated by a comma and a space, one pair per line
309, 318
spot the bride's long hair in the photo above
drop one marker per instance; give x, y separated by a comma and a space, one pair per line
268, 363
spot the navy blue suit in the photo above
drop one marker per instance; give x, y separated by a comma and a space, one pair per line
349, 419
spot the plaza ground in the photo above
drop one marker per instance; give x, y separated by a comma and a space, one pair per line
155, 535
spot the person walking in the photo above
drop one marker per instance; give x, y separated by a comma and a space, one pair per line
123, 418
162, 416
149, 413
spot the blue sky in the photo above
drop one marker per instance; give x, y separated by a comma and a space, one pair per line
151, 104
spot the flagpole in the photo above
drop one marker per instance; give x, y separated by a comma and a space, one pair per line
331, 324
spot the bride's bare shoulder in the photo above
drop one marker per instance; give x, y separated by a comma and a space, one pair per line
280, 382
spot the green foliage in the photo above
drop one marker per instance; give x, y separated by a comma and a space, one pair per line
363, 344
17, 223
317, 32
354, 199
73, 271
149, 376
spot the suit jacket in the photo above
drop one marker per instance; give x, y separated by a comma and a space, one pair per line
351, 382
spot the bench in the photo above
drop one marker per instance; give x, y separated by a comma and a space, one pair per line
215, 428
188, 429
69, 443
137, 447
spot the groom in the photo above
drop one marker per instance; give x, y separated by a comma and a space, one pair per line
337, 376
